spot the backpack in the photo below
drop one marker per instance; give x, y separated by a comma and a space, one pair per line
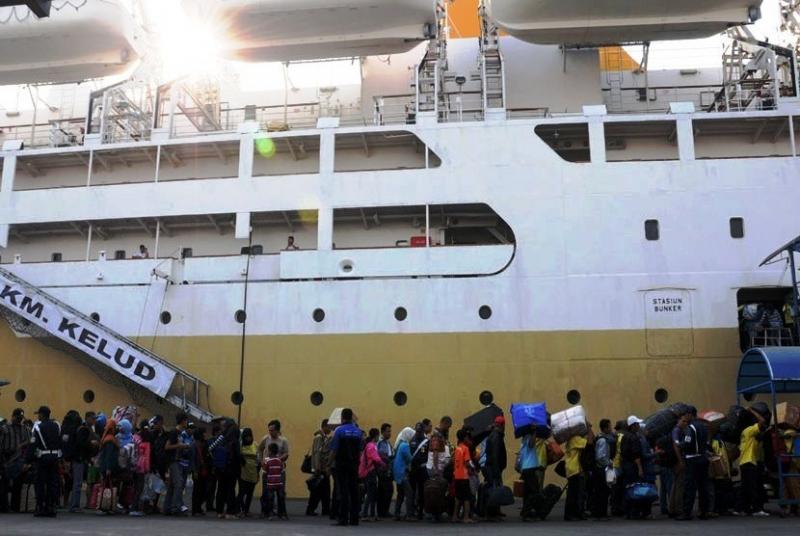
219, 453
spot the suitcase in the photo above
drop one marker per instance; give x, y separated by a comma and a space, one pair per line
547, 500
435, 496
499, 496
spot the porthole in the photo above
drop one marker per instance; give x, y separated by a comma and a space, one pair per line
400, 314
486, 398
485, 312
661, 395
318, 315
237, 398
346, 266
400, 398
166, 317
20, 395
95, 317
317, 398
88, 396
574, 397
240, 316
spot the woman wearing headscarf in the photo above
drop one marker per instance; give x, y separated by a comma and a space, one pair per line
127, 460
402, 462
108, 459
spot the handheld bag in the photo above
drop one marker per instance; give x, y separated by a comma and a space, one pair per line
306, 466
642, 492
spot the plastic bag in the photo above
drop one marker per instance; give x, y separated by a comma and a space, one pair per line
611, 476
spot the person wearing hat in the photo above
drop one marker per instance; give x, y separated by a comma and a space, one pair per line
46, 455
15, 437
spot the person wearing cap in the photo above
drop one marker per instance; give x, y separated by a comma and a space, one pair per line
45, 454
14, 440
496, 460
632, 465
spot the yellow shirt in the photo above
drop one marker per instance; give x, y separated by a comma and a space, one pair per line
618, 455
750, 446
541, 451
719, 450
572, 455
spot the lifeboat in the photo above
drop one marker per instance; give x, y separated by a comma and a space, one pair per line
291, 30
602, 22
79, 41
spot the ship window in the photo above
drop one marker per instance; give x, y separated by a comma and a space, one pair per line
400, 314
20, 395
88, 396
574, 397
569, 140
240, 316
56, 257
166, 317
317, 398
641, 141
95, 317
318, 315
661, 395
485, 312
652, 231
717, 138
737, 227
400, 398
383, 151
237, 398
119, 255
187, 253
486, 398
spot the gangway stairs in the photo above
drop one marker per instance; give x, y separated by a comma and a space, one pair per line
149, 379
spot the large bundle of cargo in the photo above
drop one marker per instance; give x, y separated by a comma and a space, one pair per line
569, 423
527, 418
787, 416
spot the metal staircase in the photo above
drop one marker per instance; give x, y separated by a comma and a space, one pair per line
200, 105
430, 73
492, 73
150, 380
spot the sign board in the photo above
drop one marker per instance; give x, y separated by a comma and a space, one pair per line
668, 320
90, 338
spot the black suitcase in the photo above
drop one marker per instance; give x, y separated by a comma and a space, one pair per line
435, 495
548, 500
484, 419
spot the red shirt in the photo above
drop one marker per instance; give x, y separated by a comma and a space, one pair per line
273, 473
461, 462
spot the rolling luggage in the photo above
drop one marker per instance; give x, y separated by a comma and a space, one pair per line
547, 500
435, 496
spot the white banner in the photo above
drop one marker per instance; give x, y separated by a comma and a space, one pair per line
90, 338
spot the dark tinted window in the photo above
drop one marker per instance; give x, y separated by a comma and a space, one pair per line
651, 230
737, 227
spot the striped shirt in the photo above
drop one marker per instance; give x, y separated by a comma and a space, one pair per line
12, 438
273, 473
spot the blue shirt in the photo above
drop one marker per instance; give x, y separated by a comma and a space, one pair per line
347, 445
402, 460
528, 457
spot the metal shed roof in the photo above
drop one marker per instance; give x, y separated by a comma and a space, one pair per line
773, 370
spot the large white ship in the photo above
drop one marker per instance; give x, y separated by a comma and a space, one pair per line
501, 205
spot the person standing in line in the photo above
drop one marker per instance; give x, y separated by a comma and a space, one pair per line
532, 474
461, 472
201, 474
45, 455
14, 445
385, 480
273, 436
418, 474
633, 465
575, 507
274, 487
400, 469
618, 491
496, 461
226, 460
750, 498
695, 451
141, 442
320, 462
604, 452
249, 476
346, 451
178, 450
679, 477
369, 465
83, 452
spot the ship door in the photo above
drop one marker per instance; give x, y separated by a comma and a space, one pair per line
668, 323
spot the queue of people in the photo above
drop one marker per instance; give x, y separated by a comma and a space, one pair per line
123, 464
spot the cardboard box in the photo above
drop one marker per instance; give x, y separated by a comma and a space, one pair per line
787, 416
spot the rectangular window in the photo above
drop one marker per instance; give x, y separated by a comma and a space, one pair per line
187, 253
737, 227
119, 255
56, 257
651, 230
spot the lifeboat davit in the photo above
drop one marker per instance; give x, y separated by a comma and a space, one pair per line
79, 41
291, 30
619, 21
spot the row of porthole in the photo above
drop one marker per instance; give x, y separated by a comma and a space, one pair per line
486, 397
318, 315
20, 395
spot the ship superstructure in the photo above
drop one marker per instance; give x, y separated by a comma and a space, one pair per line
525, 213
